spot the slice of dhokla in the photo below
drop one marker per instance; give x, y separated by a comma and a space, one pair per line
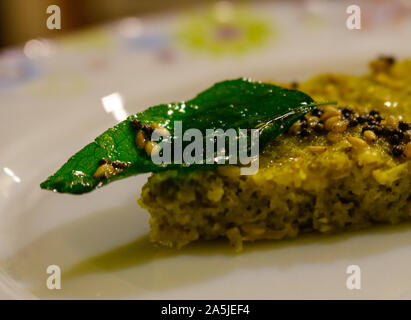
340, 168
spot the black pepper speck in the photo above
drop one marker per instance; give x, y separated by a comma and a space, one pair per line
304, 124
385, 132
361, 119
403, 126
136, 124
347, 112
102, 161
304, 133
397, 151
319, 127
317, 112
148, 130
352, 122
394, 139
120, 164
398, 132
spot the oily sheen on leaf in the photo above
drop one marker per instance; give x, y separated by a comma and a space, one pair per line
237, 104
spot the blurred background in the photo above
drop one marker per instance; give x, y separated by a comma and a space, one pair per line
166, 40
272, 38
21, 20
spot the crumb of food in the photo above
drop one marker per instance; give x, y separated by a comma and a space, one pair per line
141, 139
108, 169
317, 149
105, 171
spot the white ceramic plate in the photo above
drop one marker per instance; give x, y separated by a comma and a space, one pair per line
50, 98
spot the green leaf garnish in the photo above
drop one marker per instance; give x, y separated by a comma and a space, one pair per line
237, 104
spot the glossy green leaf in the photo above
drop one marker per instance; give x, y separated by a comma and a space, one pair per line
237, 104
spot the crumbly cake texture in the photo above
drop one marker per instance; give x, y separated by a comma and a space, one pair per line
340, 168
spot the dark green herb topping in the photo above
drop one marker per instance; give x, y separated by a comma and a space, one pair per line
237, 104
